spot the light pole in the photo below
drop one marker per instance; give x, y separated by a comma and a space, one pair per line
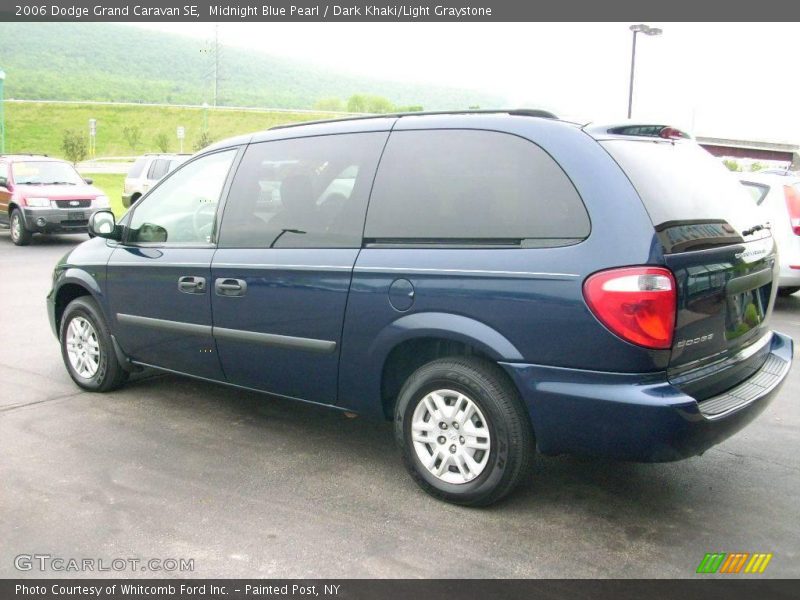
645, 29
2, 114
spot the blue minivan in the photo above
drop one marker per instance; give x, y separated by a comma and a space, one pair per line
496, 283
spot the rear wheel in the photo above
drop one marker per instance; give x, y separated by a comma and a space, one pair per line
464, 434
87, 349
788, 291
19, 235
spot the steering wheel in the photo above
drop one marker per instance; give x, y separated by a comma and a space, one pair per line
203, 217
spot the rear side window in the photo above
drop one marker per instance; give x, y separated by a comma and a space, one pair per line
757, 191
158, 169
681, 182
137, 168
302, 193
451, 186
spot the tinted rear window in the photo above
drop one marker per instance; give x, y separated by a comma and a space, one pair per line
682, 182
464, 185
302, 193
158, 169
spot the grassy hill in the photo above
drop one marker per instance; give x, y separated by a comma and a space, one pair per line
98, 61
38, 127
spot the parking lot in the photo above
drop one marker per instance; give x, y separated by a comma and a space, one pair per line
253, 486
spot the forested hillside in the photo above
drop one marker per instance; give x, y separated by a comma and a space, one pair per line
96, 61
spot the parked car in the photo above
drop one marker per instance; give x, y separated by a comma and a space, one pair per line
494, 283
778, 197
146, 172
39, 194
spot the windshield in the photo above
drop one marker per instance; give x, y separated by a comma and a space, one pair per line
45, 173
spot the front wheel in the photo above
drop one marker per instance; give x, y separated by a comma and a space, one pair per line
87, 349
463, 431
19, 235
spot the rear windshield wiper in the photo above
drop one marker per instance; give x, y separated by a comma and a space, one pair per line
755, 228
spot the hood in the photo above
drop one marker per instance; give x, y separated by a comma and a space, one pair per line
58, 192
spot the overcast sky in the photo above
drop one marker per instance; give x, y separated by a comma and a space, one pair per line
737, 80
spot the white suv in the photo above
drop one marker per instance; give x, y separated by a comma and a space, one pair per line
778, 196
146, 172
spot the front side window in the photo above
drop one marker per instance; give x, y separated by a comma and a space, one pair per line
33, 172
3, 171
302, 193
466, 186
183, 207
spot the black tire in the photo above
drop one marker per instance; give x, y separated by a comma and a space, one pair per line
788, 291
109, 374
512, 447
19, 235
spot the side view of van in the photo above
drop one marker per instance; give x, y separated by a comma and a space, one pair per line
495, 283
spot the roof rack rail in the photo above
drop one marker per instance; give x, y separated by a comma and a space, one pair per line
524, 112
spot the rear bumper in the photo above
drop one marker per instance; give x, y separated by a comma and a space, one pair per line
789, 277
57, 220
641, 417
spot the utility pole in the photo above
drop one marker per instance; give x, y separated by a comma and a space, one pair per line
214, 48
216, 63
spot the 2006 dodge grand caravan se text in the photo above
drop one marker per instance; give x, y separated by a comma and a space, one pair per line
495, 283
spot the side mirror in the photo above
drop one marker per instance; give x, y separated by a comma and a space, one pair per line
88, 180
4, 182
103, 224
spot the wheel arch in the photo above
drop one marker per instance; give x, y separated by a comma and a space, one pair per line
75, 284
417, 339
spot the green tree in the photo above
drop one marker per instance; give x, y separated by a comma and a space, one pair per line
379, 105
74, 146
162, 142
329, 104
203, 141
132, 135
731, 164
357, 103
756, 166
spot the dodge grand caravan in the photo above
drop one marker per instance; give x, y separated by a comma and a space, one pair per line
494, 283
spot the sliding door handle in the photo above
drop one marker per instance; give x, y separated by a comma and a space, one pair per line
230, 287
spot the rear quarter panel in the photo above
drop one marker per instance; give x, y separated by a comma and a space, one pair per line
515, 305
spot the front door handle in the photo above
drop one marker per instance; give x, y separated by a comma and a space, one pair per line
192, 285
230, 287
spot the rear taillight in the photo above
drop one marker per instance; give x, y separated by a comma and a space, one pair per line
636, 303
793, 204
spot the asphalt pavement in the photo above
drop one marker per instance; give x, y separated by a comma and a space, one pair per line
247, 485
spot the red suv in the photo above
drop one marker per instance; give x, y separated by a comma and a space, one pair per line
45, 195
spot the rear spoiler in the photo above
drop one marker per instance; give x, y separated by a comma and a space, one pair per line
637, 130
